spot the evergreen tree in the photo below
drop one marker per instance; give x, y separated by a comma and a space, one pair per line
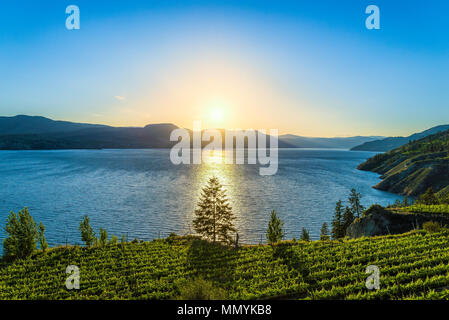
305, 235
274, 231
103, 241
348, 218
22, 235
324, 234
397, 203
87, 234
429, 197
444, 199
337, 221
214, 218
354, 201
42, 241
405, 202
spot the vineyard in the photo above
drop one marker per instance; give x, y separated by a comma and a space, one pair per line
412, 266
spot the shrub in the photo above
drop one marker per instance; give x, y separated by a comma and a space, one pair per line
200, 289
114, 240
431, 226
171, 238
22, 235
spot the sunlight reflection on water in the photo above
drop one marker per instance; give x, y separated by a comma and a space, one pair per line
142, 194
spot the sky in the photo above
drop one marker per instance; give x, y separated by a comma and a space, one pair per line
310, 68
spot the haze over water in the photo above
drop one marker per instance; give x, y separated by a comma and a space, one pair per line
141, 194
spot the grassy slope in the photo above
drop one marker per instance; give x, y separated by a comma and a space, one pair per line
414, 167
439, 209
411, 265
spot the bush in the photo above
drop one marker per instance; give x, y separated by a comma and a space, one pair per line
113, 240
200, 289
171, 238
431, 226
22, 235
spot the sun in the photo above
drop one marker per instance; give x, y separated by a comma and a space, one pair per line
217, 115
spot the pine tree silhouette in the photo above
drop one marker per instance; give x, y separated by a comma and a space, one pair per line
213, 217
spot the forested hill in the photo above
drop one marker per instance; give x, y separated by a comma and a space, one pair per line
414, 167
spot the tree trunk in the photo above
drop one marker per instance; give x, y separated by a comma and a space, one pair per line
215, 212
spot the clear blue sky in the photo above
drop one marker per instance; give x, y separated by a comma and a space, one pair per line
304, 67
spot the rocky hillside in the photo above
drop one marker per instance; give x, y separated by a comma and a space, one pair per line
378, 221
414, 167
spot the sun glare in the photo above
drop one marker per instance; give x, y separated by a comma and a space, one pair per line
217, 115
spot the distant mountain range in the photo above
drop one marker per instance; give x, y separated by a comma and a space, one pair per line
387, 144
38, 133
328, 143
39, 125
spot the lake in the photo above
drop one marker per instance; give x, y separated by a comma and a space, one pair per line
141, 194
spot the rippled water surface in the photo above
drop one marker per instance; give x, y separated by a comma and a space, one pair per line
139, 193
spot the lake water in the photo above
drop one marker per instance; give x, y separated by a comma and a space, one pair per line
141, 194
